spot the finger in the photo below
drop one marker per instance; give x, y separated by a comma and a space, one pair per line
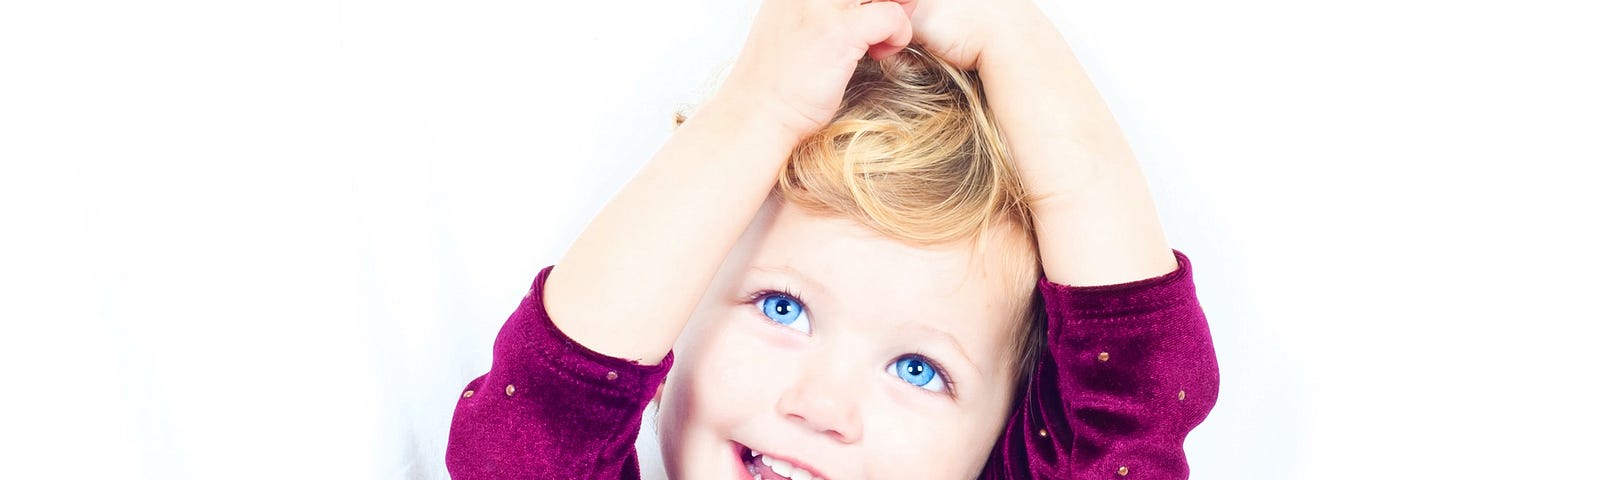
883, 26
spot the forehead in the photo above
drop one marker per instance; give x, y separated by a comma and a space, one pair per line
845, 270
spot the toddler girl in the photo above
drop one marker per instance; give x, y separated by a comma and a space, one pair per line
839, 261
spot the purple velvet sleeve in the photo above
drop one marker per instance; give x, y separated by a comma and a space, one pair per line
550, 408
1128, 370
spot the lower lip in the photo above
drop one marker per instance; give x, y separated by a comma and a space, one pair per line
743, 472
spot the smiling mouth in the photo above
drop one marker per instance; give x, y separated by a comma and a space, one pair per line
764, 467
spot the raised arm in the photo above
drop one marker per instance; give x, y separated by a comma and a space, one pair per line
644, 259
627, 285
1128, 367
1095, 219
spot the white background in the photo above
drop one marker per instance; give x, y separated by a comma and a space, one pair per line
273, 239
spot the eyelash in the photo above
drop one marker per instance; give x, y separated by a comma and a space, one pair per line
938, 368
760, 294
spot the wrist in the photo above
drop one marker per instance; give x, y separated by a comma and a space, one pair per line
759, 114
744, 120
1013, 43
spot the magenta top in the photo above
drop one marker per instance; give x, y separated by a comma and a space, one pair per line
1128, 370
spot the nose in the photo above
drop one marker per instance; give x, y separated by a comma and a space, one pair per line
825, 400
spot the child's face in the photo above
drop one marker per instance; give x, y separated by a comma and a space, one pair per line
882, 360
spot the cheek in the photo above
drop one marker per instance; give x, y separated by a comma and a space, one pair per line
717, 385
724, 374
914, 442
935, 450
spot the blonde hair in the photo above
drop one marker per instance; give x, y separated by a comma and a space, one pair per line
914, 153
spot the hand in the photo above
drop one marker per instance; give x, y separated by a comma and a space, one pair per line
801, 53
960, 31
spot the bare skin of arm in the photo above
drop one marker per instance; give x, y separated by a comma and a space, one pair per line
644, 259
1094, 216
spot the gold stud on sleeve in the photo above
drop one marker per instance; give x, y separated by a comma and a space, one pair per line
1043, 433
466, 394
1122, 471
510, 389
611, 375
1104, 356
1181, 394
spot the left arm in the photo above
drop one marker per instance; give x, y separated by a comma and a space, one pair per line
1128, 367
1094, 216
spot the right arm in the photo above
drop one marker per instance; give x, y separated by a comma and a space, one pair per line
663, 236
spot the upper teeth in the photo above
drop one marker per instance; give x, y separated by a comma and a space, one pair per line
784, 469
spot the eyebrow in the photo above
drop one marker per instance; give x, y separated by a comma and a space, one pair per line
809, 284
951, 339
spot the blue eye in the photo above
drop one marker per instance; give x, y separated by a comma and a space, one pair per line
918, 372
786, 310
